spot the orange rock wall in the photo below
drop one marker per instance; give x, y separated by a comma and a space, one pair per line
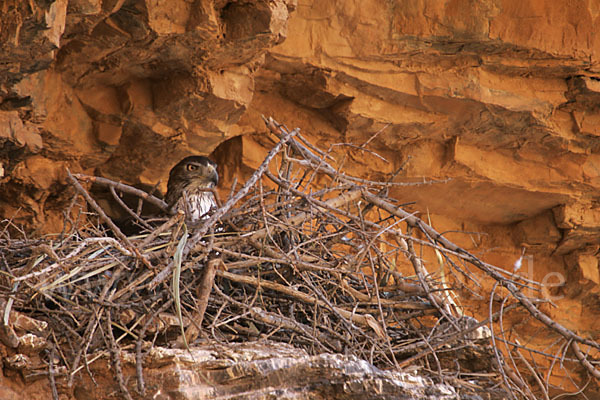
499, 100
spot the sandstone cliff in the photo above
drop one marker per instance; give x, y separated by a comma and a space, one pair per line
496, 100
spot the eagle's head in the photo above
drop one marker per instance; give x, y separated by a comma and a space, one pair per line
189, 175
195, 171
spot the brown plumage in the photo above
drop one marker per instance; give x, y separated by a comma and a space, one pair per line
186, 187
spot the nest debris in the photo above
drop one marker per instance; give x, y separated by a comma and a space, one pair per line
283, 259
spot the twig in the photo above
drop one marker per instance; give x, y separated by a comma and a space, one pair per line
139, 364
51, 372
106, 219
127, 209
82, 245
125, 189
364, 320
115, 353
584, 361
202, 293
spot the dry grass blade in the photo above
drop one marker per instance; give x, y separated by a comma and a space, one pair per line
177, 261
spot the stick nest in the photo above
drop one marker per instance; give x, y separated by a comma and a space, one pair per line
285, 259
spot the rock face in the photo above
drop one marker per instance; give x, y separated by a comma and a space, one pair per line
120, 88
500, 96
264, 371
497, 99
256, 371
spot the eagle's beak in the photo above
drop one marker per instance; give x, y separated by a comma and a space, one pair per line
214, 176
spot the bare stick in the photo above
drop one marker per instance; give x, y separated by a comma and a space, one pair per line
125, 189
106, 219
202, 294
51, 372
364, 320
584, 361
127, 209
115, 353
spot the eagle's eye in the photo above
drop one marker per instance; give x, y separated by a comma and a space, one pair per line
191, 167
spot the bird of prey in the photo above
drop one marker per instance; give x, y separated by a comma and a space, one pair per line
187, 188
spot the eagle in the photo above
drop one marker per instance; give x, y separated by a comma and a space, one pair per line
189, 187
